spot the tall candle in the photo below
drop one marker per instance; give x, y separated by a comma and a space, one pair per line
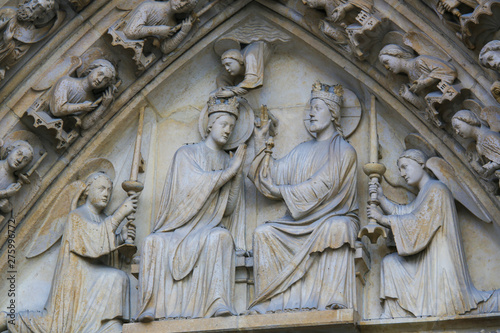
137, 150
373, 133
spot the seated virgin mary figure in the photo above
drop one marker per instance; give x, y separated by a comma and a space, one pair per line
187, 267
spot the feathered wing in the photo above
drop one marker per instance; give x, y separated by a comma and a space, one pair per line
445, 173
52, 227
491, 114
424, 46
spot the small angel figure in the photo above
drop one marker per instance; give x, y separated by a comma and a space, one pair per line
467, 125
18, 155
427, 74
76, 95
424, 71
339, 14
81, 279
157, 19
489, 57
245, 70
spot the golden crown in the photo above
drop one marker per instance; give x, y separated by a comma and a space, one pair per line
229, 105
333, 93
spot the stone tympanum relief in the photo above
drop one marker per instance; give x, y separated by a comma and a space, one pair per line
30, 23
187, 266
431, 78
485, 160
21, 154
86, 295
428, 276
77, 100
244, 68
351, 24
317, 181
489, 57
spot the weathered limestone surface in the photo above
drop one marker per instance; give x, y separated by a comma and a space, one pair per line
216, 238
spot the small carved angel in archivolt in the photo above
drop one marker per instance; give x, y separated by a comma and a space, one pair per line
77, 99
482, 125
432, 77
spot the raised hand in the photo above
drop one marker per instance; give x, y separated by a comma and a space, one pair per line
107, 97
236, 162
128, 207
374, 187
13, 188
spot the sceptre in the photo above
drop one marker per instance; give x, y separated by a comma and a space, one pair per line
133, 186
374, 171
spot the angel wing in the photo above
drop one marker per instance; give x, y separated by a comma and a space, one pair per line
53, 226
491, 114
424, 46
63, 67
445, 173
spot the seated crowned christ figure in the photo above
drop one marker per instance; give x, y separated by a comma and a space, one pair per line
305, 260
187, 267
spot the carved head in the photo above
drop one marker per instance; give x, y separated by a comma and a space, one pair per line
19, 155
392, 57
98, 187
101, 74
183, 6
489, 56
464, 122
233, 62
411, 166
326, 102
34, 10
222, 116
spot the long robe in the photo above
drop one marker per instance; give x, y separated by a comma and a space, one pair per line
147, 14
68, 90
306, 259
187, 264
86, 296
428, 276
427, 66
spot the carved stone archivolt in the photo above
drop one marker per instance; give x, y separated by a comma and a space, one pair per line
254, 192
77, 100
32, 22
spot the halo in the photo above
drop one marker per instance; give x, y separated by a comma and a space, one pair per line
31, 138
416, 141
223, 44
243, 128
350, 114
96, 165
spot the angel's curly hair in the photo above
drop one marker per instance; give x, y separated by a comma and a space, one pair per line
492, 46
467, 117
100, 63
90, 179
414, 154
19, 144
395, 50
